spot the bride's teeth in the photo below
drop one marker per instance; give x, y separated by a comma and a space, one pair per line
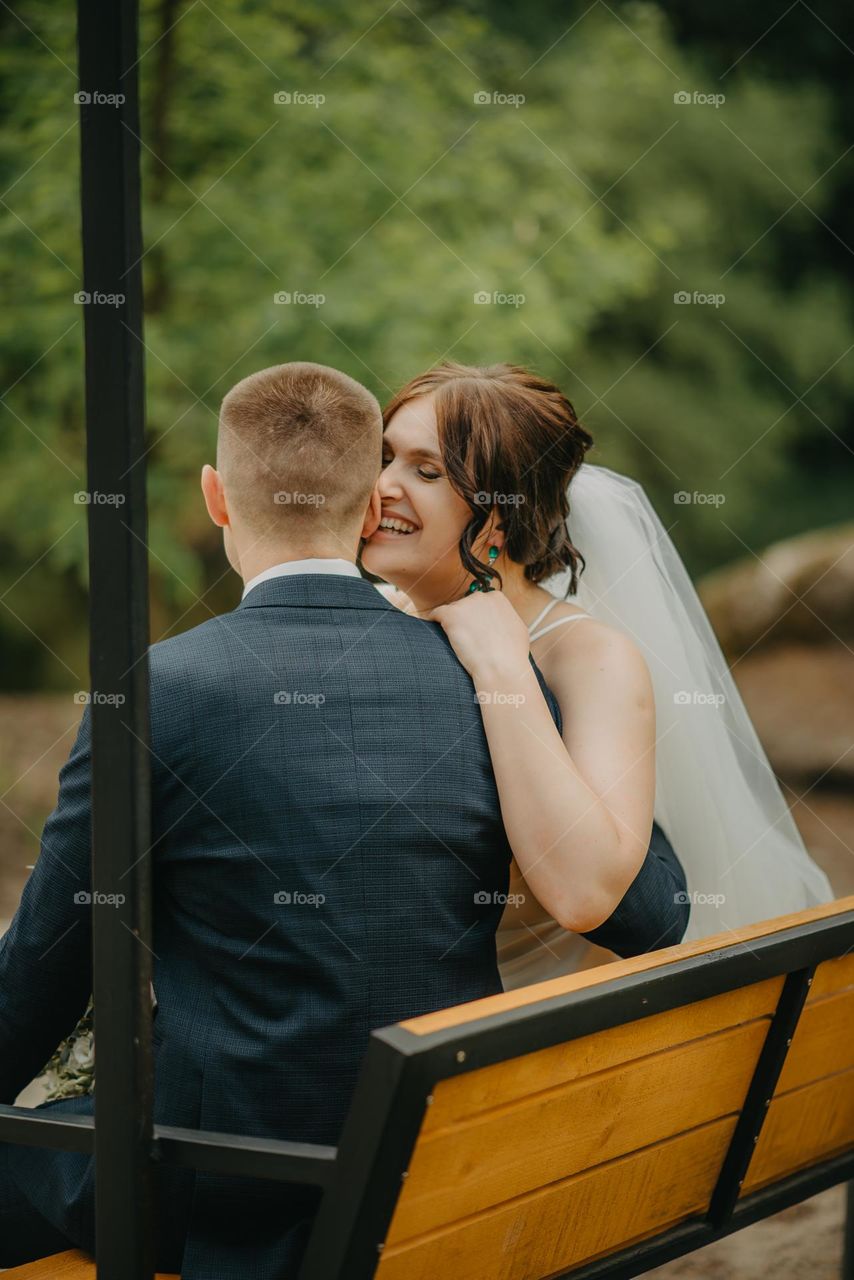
395, 526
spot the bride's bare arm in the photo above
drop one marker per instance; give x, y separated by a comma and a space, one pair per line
577, 809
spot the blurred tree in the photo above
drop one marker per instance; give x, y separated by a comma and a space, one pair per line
731, 46
397, 177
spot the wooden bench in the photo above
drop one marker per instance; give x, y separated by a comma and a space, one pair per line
596, 1125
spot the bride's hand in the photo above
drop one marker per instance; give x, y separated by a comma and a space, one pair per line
486, 633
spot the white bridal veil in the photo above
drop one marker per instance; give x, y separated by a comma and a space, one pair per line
716, 796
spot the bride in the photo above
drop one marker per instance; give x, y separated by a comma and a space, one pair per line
483, 479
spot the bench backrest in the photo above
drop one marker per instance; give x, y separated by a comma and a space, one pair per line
549, 1130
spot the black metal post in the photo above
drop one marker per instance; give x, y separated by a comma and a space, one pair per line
112, 249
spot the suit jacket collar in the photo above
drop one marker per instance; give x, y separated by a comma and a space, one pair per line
316, 591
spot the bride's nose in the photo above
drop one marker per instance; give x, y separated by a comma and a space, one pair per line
387, 485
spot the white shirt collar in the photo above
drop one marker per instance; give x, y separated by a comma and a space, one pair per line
315, 564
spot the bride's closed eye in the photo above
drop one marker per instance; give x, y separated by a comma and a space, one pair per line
420, 471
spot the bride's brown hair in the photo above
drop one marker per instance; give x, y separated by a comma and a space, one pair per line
510, 441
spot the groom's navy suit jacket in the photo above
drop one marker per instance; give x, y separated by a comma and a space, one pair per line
325, 830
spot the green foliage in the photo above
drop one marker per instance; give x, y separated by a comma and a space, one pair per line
399, 198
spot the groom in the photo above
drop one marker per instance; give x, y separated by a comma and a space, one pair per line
327, 855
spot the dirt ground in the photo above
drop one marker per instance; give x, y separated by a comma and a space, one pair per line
36, 736
802, 1243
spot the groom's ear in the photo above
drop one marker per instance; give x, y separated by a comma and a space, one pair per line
373, 515
214, 495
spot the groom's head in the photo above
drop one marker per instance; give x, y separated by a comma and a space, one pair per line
298, 455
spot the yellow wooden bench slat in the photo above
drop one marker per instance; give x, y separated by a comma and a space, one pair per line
823, 1042
570, 1222
803, 1127
463, 1097
833, 976
73, 1265
565, 1131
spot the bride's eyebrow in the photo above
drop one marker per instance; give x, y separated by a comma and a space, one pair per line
428, 454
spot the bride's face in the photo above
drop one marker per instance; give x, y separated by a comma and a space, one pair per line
414, 487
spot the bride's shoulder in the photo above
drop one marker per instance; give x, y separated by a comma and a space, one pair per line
587, 627
570, 653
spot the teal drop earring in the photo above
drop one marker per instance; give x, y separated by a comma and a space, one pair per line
492, 553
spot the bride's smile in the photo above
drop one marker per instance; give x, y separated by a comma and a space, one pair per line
393, 523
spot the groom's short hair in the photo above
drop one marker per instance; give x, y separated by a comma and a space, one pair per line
299, 446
